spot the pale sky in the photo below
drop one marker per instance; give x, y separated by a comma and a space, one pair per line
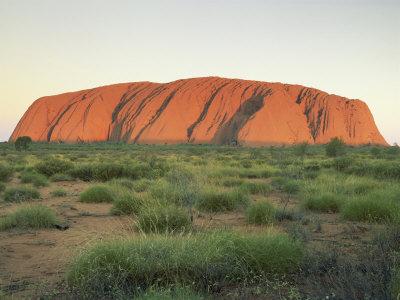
347, 47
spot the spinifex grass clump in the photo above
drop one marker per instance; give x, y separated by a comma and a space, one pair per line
371, 209
52, 165
33, 216
325, 202
109, 171
163, 218
6, 172
254, 188
211, 199
260, 213
38, 180
208, 261
61, 177
98, 194
59, 192
20, 194
127, 203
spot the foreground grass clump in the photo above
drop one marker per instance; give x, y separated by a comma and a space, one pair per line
163, 218
371, 209
53, 166
209, 261
38, 180
5, 172
326, 202
170, 293
260, 213
98, 194
34, 216
215, 200
20, 194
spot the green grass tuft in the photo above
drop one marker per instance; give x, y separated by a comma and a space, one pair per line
216, 200
326, 202
6, 172
59, 192
38, 180
163, 218
20, 194
33, 216
207, 261
260, 213
98, 194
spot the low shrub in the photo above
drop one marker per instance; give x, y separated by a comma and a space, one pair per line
34, 216
142, 185
326, 202
215, 200
260, 213
109, 171
285, 185
2, 187
20, 194
59, 193
255, 188
6, 172
98, 194
38, 180
163, 218
128, 203
166, 192
61, 177
371, 209
231, 182
52, 165
208, 261
335, 147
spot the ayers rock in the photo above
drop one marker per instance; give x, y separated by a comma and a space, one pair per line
200, 110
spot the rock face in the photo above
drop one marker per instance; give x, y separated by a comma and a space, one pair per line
200, 110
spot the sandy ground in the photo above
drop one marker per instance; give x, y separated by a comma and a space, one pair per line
33, 263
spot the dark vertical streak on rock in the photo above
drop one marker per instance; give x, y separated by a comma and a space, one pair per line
203, 113
156, 115
227, 134
52, 127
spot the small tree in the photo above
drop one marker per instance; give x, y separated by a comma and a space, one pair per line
301, 149
335, 147
23, 143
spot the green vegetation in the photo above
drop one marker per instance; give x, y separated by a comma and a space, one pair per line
205, 260
98, 194
23, 143
128, 203
371, 209
192, 204
260, 213
216, 200
34, 216
5, 172
335, 147
60, 192
53, 165
38, 180
326, 202
163, 218
61, 177
21, 194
